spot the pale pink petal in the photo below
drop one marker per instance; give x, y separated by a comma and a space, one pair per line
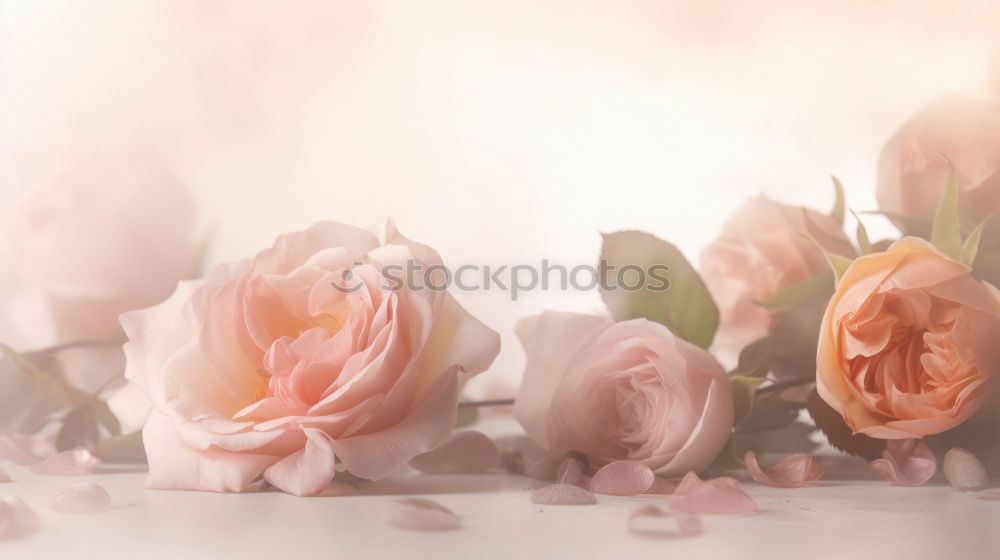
718, 495
622, 478
964, 470
81, 497
571, 471
336, 489
306, 472
4, 477
23, 449
906, 462
16, 518
662, 486
75, 462
991, 494
420, 514
791, 472
563, 495
651, 519
464, 453
521, 455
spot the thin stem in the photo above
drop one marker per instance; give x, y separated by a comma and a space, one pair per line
480, 404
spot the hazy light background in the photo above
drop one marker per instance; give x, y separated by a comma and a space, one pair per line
497, 132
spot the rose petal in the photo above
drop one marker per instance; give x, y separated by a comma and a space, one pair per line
81, 497
718, 495
521, 455
662, 486
906, 462
463, 453
23, 449
4, 477
75, 462
991, 494
420, 514
622, 478
964, 470
16, 518
571, 472
791, 472
563, 495
687, 524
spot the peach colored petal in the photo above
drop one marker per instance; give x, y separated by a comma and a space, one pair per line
420, 514
563, 495
622, 478
16, 518
906, 463
717, 495
80, 497
791, 472
23, 449
653, 520
76, 462
306, 472
468, 452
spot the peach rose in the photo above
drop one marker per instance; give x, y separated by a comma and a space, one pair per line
907, 344
622, 391
760, 252
303, 357
913, 171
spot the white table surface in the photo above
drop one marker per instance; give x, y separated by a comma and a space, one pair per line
837, 519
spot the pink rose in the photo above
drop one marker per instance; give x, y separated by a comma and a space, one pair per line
760, 252
303, 357
622, 391
907, 345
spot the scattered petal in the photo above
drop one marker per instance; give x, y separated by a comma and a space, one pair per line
991, 494
964, 470
906, 462
791, 472
622, 478
662, 486
23, 449
718, 495
80, 497
16, 518
420, 514
4, 477
571, 472
339, 489
464, 453
563, 495
521, 455
77, 461
651, 519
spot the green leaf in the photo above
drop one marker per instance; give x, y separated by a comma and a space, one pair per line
971, 245
864, 242
838, 433
946, 233
743, 395
684, 305
838, 263
755, 358
799, 292
839, 203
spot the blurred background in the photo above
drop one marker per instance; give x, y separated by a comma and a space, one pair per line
497, 132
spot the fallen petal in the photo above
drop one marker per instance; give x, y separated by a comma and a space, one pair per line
662, 486
75, 462
23, 449
4, 477
16, 518
906, 462
791, 472
521, 455
718, 495
622, 478
420, 514
651, 519
336, 489
80, 497
571, 472
563, 495
464, 453
991, 494
964, 470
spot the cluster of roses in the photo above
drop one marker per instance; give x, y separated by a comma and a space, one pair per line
260, 371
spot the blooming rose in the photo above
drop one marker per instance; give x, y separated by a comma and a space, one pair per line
760, 252
622, 391
305, 356
907, 344
913, 169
